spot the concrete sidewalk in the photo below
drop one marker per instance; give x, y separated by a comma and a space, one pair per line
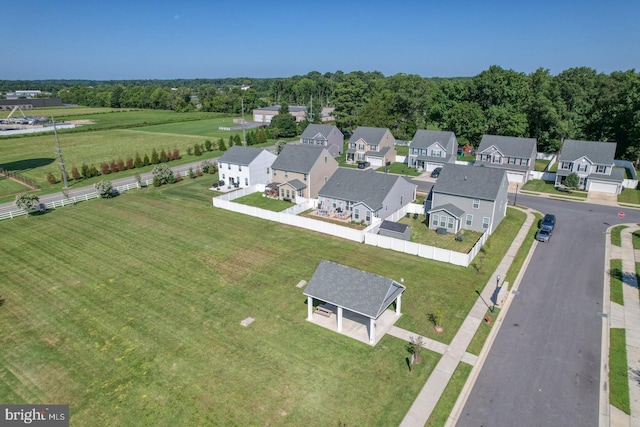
428, 397
625, 316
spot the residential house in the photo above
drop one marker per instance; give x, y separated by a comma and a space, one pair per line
364, 194
470, 198
431, 149
243, 166
593, 162
515, 155
327, 136
301, 170
373, 145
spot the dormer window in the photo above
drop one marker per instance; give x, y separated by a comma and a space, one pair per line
601, 169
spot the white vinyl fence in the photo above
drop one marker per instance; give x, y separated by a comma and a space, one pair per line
75, 199
368, 236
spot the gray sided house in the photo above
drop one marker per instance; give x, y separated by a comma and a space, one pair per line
245, 166
327, 136
365, 194
302, 170
515, 155
373, 145
470, 198
431, 149
593, 162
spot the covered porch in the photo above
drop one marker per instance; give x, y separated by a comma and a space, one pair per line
354, 302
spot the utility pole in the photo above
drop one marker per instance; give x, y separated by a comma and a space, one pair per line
59, 153
311, 112
244, 137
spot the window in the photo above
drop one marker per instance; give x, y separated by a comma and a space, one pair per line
286, 174
223, 177
229, 166
333, 203
485, 222
601, 169
436, 153
450, 225
582, 167
469, 220
274, 172
374, 148
565, 165
443, 221
239, 168
368, 216
435, 220
246, 182
325, 179
305, 176
356, 213
476, 203
497, 159
361, 147
485, 157
512, 160
267, 171
325, 159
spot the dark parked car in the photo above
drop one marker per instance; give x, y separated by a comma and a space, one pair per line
363, 165
544, 234
436, 172
549, 221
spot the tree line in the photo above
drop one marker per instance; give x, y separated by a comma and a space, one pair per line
578, 103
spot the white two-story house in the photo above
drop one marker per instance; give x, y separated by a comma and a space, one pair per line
245, 166
373, 145
517, 156
593, 162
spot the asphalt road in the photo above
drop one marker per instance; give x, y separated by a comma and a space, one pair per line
544, 366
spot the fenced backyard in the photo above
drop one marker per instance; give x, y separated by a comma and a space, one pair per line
368, 236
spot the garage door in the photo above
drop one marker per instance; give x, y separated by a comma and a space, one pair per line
375, 161
258, 118
432, 166
515, 177
603, 187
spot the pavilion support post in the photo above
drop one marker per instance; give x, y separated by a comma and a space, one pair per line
339, 319
309, 308
399, 305
372, 330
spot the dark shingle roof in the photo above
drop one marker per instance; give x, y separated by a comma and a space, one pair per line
370, 135
298, 157
355, 290
598, 152
239, 155
313, 129
452, 209
368, 186
297, 184
476, 182
425, 138
510, 146
292, 108
393, 226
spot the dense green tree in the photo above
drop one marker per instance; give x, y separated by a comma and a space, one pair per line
348, 99
27, 202
468, 122
284, 122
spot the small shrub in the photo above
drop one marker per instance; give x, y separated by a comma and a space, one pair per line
51, 179
75, 174
120, 164
93, 171
162, 174
198, 171
28, 202
104, 168
163, 156
85, 170
155, 159
176, 154
104, 189
170, 155
189, 151
129, 163
146, 161
113, 166
207, 145
178, 177
192, 174
221, 145
197, 151
138, 163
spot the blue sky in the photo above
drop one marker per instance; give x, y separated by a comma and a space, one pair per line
114, 39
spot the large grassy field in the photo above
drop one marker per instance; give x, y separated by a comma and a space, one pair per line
130, 309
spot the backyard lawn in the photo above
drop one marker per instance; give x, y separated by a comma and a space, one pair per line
541, 165
259, 201
630, 196
400, 169
130, 308
420, 233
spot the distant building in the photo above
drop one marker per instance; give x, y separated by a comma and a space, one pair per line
265, 114
28, 104
23, 94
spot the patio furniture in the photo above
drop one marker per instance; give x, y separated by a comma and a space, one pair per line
323, 311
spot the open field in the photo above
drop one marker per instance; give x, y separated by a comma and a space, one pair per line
61, 112
9, 187
129, 308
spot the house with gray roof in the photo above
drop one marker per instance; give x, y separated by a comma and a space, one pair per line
343, 288
373, 145
593, 162
364, 194
470, 198
517, 156
300, 170
430, 149
241, 166
327, 136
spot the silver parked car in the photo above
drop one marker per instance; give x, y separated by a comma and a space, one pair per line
544, 234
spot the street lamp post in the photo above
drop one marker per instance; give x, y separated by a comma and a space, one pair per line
515, 198
498, 281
